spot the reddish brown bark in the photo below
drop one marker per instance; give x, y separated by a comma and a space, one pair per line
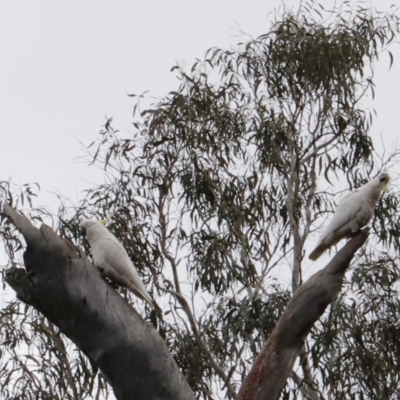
275, 362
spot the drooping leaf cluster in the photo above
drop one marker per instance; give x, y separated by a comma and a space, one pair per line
36, 361
217, 190
355, 349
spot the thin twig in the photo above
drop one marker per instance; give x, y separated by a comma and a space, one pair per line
62, 352
182, 300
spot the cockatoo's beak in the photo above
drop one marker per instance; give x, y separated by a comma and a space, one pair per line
386, 187
106, 221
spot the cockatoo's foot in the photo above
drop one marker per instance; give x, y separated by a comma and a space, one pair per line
107, 279
102, 272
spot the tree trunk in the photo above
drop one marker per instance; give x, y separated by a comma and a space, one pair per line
274, 364
62, 284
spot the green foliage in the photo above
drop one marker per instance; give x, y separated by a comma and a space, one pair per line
356, 348
218, 188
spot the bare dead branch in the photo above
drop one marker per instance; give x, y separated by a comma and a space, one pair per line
70, 292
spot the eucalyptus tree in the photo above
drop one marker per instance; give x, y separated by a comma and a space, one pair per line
217, 194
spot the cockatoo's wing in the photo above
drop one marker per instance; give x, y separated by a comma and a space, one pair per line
352, 213
111, 256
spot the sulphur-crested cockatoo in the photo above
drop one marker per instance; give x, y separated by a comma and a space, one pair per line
353, 212
110, 256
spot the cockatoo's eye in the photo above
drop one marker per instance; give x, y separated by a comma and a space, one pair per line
384, 177
384, 180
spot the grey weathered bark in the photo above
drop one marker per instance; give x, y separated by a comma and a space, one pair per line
274, 364
64, 286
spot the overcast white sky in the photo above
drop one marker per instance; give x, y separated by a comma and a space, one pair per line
68, 64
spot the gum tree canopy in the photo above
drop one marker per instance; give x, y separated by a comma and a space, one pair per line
218, 196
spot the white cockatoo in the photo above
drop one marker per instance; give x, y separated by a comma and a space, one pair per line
110, 256
353, 212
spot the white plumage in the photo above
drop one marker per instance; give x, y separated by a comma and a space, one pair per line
353, 212
112, 258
